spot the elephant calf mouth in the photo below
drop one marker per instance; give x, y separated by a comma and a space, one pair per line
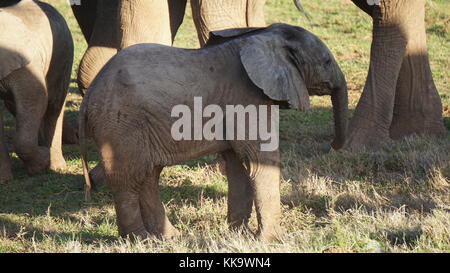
324, 89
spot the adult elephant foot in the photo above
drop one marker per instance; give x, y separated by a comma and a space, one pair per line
57, 163
364, 133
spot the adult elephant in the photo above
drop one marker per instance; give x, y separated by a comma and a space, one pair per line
109, 25
400, 97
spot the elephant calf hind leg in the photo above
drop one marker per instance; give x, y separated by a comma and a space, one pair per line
240, 192
129, 217
152, 209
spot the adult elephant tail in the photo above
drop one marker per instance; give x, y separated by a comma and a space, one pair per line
82, 142
298, 4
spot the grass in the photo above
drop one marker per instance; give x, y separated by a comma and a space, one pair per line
394, 200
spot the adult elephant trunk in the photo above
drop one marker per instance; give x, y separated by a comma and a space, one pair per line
149, 21
339, 98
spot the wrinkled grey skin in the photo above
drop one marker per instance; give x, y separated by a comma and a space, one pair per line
128, 112
109, 25
36, 53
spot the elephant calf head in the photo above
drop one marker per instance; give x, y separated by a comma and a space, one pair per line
289, 64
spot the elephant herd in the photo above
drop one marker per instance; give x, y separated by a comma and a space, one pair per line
132, 80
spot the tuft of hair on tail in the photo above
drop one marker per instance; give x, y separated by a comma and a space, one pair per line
298, 4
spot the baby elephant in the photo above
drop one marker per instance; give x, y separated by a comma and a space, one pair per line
36, 53
138, 109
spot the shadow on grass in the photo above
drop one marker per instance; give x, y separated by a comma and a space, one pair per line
61, 196
320, 204
404, 237
62, 193
54, 193
192, 194
12, 230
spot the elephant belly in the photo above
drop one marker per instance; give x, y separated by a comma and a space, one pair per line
190, 150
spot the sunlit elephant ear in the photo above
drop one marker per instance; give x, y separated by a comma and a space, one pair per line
271, 67
13, 51
221, 36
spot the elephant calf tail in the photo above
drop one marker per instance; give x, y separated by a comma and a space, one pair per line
82, 141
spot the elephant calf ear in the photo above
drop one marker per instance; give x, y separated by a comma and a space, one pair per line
268, 65
221, 36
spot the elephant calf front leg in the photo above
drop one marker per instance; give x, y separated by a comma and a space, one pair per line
240, 193
265, 175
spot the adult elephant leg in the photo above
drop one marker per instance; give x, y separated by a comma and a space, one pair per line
144, 21
373, 115
5, 163
30, 95
152, 209
51, 136
85, 13
399, 97
210, 15
92, 62
103, 43
255, 13
240, 193
418, 107
177, 9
